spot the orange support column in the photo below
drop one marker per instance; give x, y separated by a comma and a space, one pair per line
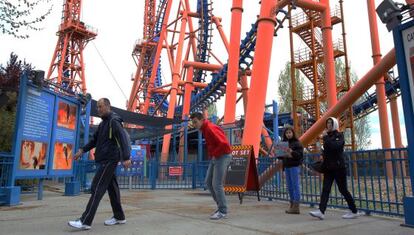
397, 134
188, 89
233, 70
83, 79
162, 36
380, 85
191, 28
267, 138
265, 133
396, 123
260, 74
329, 60
174, 86
217, 21
132, 99
245, 91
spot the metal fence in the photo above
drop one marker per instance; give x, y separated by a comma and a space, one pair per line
156, 175
377, 179
84, 170
6, 168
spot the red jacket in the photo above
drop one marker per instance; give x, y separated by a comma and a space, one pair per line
216, 140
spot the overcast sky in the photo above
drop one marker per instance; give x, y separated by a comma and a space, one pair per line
120, 25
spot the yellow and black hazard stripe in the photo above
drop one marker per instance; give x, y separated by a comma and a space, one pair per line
241, 147
234, 189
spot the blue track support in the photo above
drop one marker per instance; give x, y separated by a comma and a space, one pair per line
404, 71
200, 147
276, 136
157, 154
174, 148
157, 148
153, 175
194, 174
185, 140
275, 122
205, 26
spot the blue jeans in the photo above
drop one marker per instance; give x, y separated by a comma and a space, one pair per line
292, 181
215, 179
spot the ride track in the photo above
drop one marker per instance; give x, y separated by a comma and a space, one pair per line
248, 55
216, 87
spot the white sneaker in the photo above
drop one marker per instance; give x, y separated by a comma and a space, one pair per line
214, 212
218, 215
78, 224
350, 215
113, 221
317, 214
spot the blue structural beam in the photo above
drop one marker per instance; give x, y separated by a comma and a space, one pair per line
275, 122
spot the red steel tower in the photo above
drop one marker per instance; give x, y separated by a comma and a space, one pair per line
143, 57
67, 69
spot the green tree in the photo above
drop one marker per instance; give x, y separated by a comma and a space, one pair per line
7, 120
361, 125
17, 16
285, 89
9, 83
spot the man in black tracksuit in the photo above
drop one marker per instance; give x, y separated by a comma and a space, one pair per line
111, 146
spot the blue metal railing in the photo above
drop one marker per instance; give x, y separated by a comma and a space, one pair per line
84, 170
6, 168
378, 179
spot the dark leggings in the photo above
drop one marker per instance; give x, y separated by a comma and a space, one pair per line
339, 176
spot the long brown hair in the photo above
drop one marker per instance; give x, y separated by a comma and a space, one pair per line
294, 137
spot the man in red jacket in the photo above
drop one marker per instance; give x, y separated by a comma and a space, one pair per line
219, 150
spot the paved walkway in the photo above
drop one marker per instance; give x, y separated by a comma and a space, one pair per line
182, 212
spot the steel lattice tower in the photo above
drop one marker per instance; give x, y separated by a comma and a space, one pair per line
67, 69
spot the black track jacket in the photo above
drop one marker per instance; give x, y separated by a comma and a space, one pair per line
106, 148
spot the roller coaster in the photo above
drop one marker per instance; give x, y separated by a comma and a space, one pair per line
203, 96
199, 78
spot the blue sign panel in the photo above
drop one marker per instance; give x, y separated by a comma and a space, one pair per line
404, 50
63, 142
46, 133
34, 132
